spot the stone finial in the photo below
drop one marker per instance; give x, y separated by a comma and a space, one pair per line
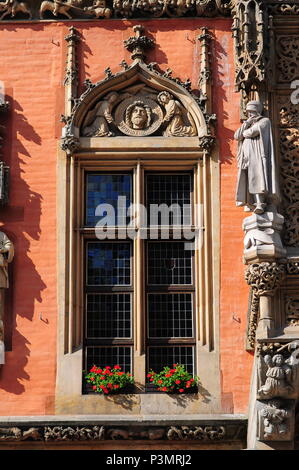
138, 44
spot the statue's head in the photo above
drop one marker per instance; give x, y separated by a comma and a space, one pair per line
278, 359
254, 108
138, 115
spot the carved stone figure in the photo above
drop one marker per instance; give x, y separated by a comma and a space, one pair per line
58, 7
279, 377
97, 120
275, 420
12, 7
6, 256
257, 183
174, 118
138, 115
99, 9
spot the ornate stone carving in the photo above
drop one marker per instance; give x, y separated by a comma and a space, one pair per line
99, 9
292, 310
278, 371
293, 267
263, 278
59, 7
287, 50
138, 44
204, 433
289, 167
13, 7
78, 433
275, 419
17, 434
257, 184
85, 9
249, 31
138, 116
174, 117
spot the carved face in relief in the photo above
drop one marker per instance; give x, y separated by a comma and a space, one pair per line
138, 115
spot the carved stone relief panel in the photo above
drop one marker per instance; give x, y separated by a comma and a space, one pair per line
288, 120
287, 66
275, 420
138, 111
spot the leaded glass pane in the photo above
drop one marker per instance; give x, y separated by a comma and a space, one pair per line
108, 264
103, 356
169, 355
171, 190
108, 316
106, 189
170, 315
169, 263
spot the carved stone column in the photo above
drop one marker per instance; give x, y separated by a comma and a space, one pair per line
264, 279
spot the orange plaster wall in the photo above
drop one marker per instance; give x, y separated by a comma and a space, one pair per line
32, 68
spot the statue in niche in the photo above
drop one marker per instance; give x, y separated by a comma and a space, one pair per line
98, 119
257, 182
99, 9
174, 117
138, 115
278, 377
6, 256
275, 420
12, 7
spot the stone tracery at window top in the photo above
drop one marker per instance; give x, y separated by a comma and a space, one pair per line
138, 101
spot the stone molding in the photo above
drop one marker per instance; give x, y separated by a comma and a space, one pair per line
204, 432
105, 9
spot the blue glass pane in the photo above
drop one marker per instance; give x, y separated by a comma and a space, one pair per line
108, 264
106, 189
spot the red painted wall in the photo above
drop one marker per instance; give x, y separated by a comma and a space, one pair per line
32, 69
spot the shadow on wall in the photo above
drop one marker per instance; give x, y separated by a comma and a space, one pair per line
222, 72
21, 222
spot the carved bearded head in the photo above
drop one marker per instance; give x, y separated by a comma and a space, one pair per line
254, 108
138, 115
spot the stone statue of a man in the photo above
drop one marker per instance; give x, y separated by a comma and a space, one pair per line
257, 183
6, 256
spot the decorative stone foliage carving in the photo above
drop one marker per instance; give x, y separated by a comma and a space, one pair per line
293, 267
78, 433
289, 167
287, 65
56, 9
263, 278
196, 433
97, 432
275, 420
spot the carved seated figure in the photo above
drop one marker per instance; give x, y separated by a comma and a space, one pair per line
98, 120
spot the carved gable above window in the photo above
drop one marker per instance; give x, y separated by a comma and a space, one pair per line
138, 101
